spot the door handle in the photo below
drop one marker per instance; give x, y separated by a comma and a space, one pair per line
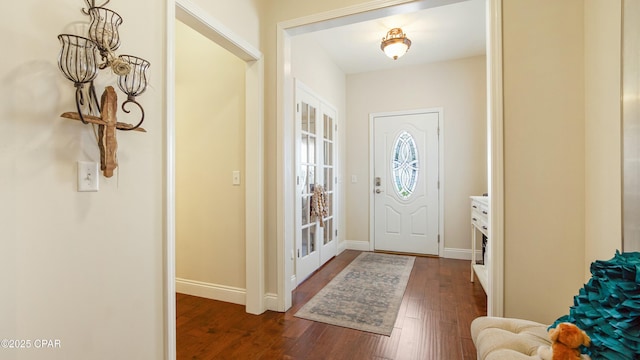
378, 191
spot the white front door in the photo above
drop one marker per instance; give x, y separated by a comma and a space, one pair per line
315, 165
406, 194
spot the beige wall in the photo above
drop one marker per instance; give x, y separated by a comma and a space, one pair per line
459, 88
210, 124
311, 65
243, 17
544, 146
603, 219
85, 268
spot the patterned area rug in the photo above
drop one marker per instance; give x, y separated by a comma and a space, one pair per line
366, 295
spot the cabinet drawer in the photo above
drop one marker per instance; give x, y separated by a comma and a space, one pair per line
484, 210
483, 225
476, 217
479, 210
480, 216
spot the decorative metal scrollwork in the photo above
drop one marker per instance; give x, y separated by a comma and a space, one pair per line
405, 165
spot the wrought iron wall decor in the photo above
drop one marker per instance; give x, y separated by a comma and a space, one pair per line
78, 60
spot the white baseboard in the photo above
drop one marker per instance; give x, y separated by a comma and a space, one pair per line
271, 302
342, 246
357, 245
449, 253
460, 254
222, 293
211, 291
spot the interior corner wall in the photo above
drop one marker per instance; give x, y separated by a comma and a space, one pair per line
314, 68
82, 268
459, 88
210, 128
544, 164
603, 208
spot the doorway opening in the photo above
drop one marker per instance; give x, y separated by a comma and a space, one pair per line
210, 209
285, 129
251, 175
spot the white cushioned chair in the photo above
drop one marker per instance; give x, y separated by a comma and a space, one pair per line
508, 339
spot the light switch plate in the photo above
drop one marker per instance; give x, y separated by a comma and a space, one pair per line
236, 177
88, 176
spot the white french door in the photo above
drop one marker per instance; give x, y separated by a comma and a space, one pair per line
406, 189
315, 165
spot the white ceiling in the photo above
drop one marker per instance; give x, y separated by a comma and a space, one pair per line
440, 33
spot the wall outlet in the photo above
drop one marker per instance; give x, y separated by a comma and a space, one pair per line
236, 177
88, 176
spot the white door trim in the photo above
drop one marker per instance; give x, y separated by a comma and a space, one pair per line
495, 141
372, 116
284, 102
200, 20
169, 238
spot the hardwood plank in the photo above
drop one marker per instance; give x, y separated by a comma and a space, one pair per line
387, 346
468, 349
449, 344
433, 322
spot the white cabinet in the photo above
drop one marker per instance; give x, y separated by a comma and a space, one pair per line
479, 223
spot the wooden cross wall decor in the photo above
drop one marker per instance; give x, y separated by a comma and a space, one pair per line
79, 62
107, 125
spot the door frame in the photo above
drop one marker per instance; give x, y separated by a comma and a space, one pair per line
199, 19
495, 141
372, 116
284, 104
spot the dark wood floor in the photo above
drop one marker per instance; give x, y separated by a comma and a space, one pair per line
433, 322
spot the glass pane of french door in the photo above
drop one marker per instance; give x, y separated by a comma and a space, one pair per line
328, 164
308, 165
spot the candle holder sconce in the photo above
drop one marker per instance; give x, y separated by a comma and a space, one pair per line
79, 63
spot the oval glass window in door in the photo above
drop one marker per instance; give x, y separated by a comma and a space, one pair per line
405, 165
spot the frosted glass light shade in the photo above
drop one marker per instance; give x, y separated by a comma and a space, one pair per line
395, 44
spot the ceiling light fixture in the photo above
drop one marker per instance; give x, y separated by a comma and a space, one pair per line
395, 44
